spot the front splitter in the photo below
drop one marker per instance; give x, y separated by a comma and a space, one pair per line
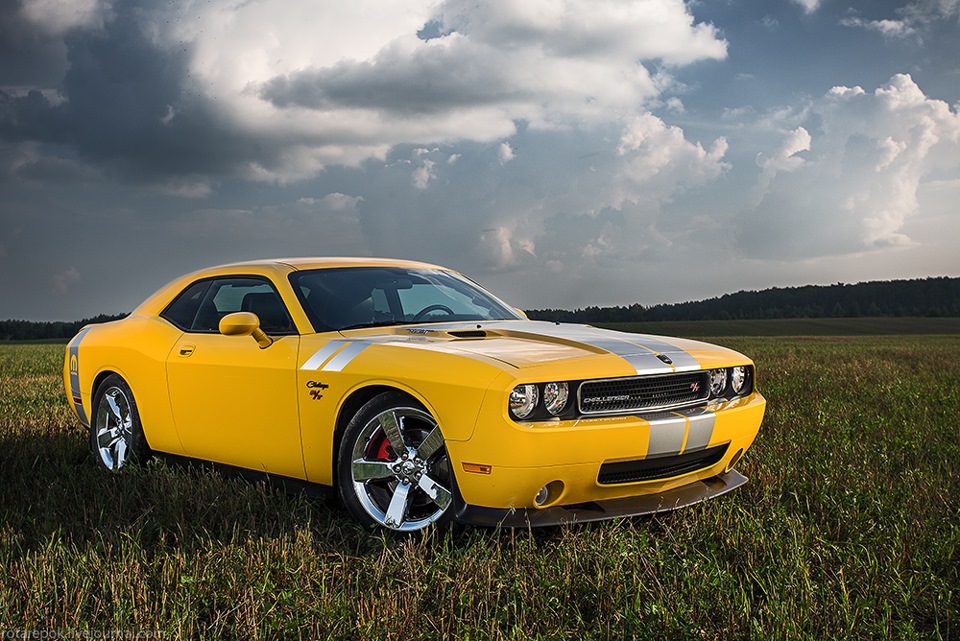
602, 510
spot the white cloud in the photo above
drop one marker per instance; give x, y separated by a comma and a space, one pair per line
809, 6
423, 174
332, 202
860, 182
505, 153
504, 248
914, 19
659, 161
186, 187
887, 27
784, 158
334, 86
59, 16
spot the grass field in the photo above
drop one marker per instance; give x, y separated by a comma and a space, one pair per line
867, 326
849, 528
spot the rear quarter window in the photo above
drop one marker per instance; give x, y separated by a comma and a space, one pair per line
183, 310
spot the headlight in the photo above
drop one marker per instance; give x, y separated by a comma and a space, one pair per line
555, 397
718, 381
523, 400
738, 378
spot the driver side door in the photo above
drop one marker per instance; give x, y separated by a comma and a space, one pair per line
232, 401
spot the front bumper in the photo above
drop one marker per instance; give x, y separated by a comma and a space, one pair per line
576, 457
602, 510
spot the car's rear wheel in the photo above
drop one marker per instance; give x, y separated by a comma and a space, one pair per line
116, 434
394, 471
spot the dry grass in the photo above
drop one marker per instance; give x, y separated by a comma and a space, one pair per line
848, 529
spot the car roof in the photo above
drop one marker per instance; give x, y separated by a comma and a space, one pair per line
277, 268
315, 262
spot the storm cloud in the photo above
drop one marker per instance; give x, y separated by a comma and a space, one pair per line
564, 152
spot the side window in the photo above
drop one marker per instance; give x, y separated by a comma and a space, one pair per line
183, 310
224, 296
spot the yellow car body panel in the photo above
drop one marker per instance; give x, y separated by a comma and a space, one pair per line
281, 407
235, 403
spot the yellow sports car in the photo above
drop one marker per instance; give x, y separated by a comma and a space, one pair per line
417, 395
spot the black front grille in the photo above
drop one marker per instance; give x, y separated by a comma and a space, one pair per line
653, 469
643, 393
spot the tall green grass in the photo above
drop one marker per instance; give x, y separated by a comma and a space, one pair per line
849, 528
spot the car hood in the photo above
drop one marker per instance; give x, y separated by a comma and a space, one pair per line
521, 344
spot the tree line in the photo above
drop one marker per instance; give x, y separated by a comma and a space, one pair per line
926, 297
21, 330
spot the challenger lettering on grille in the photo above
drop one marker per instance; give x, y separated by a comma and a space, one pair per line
643, 393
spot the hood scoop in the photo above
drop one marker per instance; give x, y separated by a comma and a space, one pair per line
468, 333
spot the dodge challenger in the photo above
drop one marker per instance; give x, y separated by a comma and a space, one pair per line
414, 394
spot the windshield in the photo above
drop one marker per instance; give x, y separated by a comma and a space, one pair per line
354, 297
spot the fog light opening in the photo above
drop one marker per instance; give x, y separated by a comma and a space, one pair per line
542, 496
734, 460
548, 494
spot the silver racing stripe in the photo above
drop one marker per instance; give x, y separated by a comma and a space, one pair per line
667, 432
335, 355
640, 351
700, 430
344, 356
682, 361
322, 354
673, 433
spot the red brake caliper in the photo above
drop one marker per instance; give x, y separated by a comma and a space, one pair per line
380, 449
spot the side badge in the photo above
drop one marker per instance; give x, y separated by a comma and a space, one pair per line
316, 389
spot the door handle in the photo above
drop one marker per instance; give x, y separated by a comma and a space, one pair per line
186, 350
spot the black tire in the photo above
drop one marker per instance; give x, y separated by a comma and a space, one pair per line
116, 433
403, 488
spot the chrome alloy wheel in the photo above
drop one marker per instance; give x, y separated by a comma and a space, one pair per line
400, 470
114, 428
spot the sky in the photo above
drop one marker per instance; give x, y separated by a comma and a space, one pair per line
564, 153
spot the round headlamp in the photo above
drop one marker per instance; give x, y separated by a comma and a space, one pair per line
523, 400
555, 397
738, 379
718, 381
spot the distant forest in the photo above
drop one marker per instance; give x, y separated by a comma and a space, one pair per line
927, 297
20, 330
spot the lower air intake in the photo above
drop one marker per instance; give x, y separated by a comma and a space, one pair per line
665, 467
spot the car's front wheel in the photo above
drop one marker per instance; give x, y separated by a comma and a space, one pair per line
394, 471
116, 434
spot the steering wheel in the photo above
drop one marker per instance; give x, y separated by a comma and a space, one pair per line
432, 308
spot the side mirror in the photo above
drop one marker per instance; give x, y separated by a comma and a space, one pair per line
522, 313
244, 324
